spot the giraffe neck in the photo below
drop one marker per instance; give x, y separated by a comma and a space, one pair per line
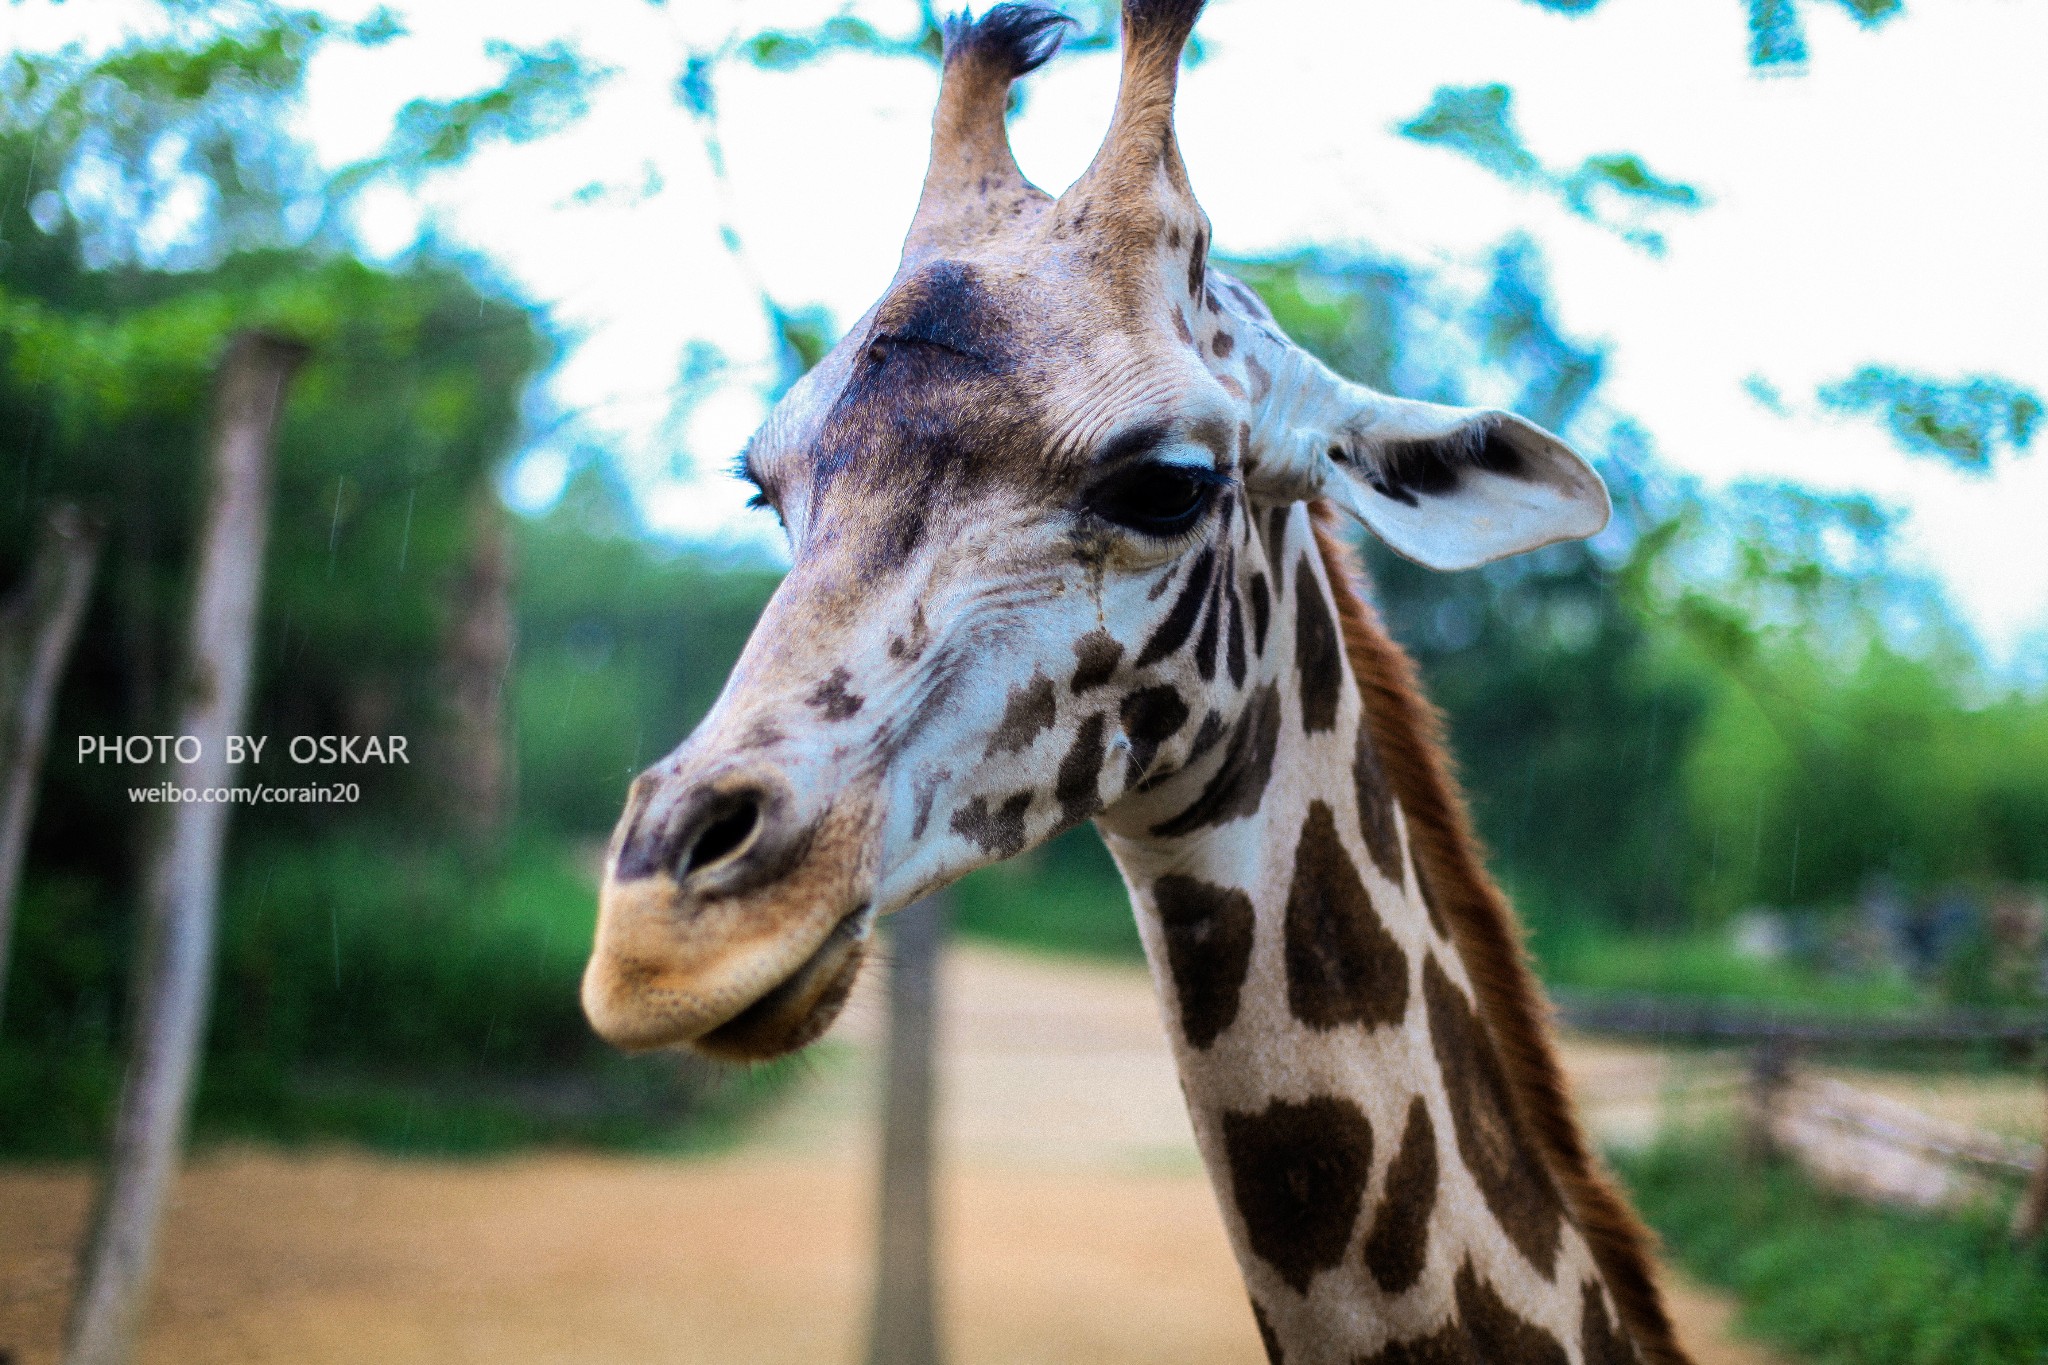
1387, 1198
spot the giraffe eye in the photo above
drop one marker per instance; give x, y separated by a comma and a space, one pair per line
1156, 498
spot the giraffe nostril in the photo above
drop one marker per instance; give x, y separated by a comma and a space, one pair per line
726, 833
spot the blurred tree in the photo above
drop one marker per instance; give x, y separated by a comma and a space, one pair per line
181, 895
38, 625
1476, 123
1960, 422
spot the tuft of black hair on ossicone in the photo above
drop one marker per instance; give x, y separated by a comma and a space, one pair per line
1013, 38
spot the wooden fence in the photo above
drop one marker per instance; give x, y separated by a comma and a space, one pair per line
1848, 1137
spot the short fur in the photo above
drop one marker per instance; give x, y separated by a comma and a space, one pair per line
1409, 733
1165, 23
1011, 39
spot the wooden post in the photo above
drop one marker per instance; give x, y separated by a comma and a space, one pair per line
181, 877
38, 626
905, 1327
1770, 1073
477, 665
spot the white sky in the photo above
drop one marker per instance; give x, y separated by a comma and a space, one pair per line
1886, 206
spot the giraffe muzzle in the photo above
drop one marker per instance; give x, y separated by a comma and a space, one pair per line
731, 920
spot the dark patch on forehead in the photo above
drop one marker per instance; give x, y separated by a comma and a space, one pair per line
1297, 1175
1317, 657
999, 831
1081, 772
1376, 809
1151, 716
1510, 1177
1222, 344
945, 307
1496, 1331
1408, 471
1208, 933
1343, 966
1262, 611
1240, 782
1398, 1247
1173, 632
1267, 1339
1031, 708
1096, 656
1601, 1340
928, 406
832, 697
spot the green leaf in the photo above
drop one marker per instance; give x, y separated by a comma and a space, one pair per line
1961, 422
1474, 122
544, 90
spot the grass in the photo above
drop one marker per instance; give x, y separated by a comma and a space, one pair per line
1701, 966
1839, 1282
388, 995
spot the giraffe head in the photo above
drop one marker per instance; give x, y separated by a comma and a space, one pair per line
1036, 501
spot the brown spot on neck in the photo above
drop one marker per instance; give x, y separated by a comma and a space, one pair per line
1297, 1176
1208, 934
1490, 1139
1239, 786
1398, 1247
1343, 967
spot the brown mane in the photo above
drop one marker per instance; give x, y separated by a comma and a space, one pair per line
1409, 733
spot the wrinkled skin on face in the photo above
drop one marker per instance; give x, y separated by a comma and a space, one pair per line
947, 675
1027, 499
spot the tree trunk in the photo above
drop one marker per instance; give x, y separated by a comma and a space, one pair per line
182, 874
905, 1328
38, 626
478, 663
2030, 1219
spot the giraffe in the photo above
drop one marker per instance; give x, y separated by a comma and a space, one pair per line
1064, 512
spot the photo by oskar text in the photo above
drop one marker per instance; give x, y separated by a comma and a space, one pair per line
304, 750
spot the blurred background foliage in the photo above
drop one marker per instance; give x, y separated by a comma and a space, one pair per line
1726, 703
1733, 709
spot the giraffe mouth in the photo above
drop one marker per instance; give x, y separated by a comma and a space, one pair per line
794, 1013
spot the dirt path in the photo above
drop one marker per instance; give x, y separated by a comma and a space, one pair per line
1077, 1224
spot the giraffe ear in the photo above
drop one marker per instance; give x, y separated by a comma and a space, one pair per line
1450, 488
